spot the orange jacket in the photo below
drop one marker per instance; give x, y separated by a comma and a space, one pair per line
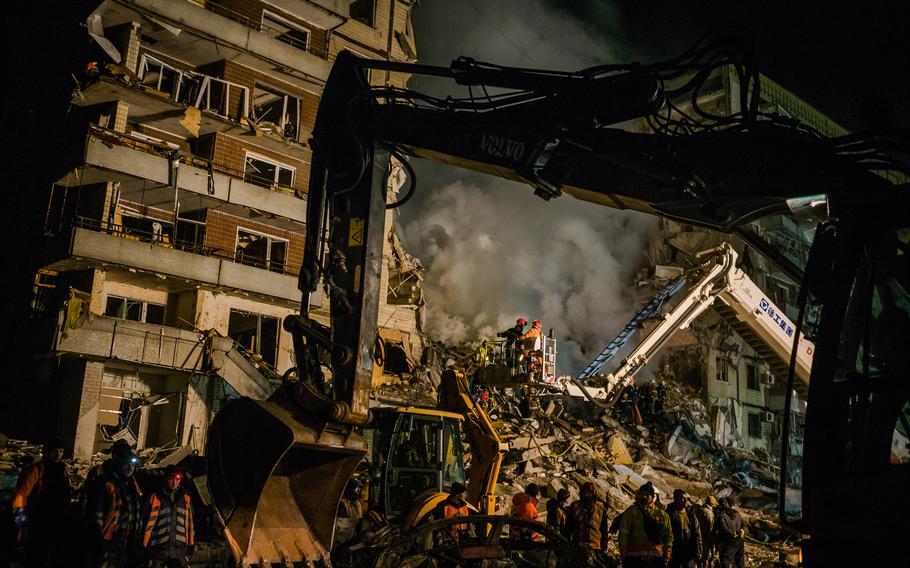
531, 333
32, 480
524, 506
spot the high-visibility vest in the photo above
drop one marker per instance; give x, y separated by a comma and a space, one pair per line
113, 519
166, 516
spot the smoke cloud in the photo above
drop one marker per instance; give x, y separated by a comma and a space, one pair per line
493, 251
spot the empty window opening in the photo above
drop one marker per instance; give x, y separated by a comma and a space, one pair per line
752, 382
285, 31
267, 173
134, 310
363, 11
720, 370
275, 111
754, 425
260, 250
256, 333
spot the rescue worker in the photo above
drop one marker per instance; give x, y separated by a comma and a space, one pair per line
524, 505
704, 514
729, 533
511, 336
588, 524
687, 538
626, 408
41, 506
645, 535
532, 346
169, 536
117, 513
558, 512
455, 505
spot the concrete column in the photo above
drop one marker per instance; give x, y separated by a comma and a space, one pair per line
87, 423
196, 412
99, 298
131, 48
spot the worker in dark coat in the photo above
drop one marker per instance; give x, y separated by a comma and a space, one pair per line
511, 336
588, 525
687, 539
116, 510
41, 507
168, 538
558, 512
729, 533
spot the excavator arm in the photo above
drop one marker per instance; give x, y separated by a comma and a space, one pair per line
557, 132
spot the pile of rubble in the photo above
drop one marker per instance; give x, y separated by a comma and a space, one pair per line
559, 441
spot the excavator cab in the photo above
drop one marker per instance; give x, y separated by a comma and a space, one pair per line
415, 453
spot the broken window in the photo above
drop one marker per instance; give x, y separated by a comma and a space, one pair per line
754, 425
181, 86
275, 111
226, 99
261, 250
134, 310
720, 370
256, 333
285, 31
752, 377
267, 173
363, 11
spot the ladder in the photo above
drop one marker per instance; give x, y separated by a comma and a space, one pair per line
651, 309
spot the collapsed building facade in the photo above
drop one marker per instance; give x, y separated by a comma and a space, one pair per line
177, 234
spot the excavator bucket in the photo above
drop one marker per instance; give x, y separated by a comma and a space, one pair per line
276, 480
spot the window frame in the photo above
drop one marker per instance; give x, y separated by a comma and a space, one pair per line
282, 123
143, 311
287, 23
753, 419
721, 373
753, 375
271, 239
278, 165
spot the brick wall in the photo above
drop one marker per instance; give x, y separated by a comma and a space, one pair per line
221, 235
248, 78
229, 153
251, 10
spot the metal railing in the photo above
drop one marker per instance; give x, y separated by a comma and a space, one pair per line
169, 241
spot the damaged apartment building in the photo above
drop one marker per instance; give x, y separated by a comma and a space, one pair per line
736, 373
177, 234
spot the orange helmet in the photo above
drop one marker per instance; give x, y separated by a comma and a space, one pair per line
536, 324
521, 321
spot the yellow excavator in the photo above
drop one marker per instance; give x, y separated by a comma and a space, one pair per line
277, 468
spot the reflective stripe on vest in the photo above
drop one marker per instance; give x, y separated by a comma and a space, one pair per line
160, 532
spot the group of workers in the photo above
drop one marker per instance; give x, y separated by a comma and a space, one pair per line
682, 535
643, 404
121, 527
521, 345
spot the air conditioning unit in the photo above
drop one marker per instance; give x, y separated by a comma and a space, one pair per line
769, 379
767, 416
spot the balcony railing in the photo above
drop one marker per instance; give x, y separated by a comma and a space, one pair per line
169, 241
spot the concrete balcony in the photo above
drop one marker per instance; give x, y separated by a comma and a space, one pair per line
199, 36
170, 348
107, 160
91, 249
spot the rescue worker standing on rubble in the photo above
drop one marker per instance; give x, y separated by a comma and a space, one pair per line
558, 512
588, 524
455, 505
41, 506
645, 535
704, 514
116, 510
511, 336
524, 505
687, 538
169, 536
729, 532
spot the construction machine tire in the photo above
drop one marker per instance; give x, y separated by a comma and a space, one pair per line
276, 479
